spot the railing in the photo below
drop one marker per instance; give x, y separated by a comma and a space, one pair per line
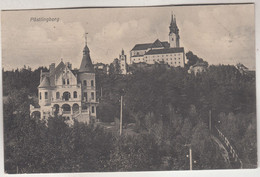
66, 112
70, 99
231, 149
88, 87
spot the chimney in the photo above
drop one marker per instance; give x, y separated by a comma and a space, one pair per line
52, 68
69, 65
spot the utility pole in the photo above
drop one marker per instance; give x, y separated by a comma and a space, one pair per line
121, 115
190, 154
210, 120
190, 157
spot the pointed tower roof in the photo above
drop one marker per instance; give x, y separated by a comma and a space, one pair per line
173, 26
86, 63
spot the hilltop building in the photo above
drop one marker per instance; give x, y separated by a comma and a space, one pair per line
67, 92
122, 62
168, 52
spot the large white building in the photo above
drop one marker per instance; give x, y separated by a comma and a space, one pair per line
168, 52
67, 92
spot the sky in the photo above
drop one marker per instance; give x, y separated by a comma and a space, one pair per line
220, 34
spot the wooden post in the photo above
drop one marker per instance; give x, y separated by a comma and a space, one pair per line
121, 115
210, 120
190, 157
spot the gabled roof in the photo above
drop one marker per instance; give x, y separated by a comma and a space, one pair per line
163, 51
45, 82
157, 43
142, 46
59, 69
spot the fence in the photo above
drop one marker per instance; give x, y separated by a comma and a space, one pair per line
230, 148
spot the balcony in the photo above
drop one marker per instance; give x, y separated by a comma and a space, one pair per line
66, 100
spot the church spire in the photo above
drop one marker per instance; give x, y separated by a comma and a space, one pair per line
173, 26
86, 49
174, 37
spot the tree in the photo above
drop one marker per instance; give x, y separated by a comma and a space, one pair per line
193, 59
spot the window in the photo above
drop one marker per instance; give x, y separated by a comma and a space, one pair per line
46, 95
85, 83
63, 81
40, 95
75, 95
68, 82
92, 82
57, 95
92, 95
85, 95
93, 109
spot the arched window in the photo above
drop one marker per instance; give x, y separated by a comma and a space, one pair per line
66, 96
57, 95
75, 95
85, 83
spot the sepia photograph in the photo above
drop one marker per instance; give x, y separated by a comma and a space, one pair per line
129, 89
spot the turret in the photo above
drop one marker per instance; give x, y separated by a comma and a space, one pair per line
86, 77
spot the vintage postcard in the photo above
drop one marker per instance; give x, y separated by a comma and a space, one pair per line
158, 88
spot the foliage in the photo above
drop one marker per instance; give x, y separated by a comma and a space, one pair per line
170, 109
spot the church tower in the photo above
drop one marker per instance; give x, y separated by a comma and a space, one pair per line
122, 60
174, 38
86, 78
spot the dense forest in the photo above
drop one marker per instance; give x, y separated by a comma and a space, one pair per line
168, 107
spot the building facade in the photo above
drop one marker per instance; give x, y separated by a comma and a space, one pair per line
122, 62
69, 93
168, 52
